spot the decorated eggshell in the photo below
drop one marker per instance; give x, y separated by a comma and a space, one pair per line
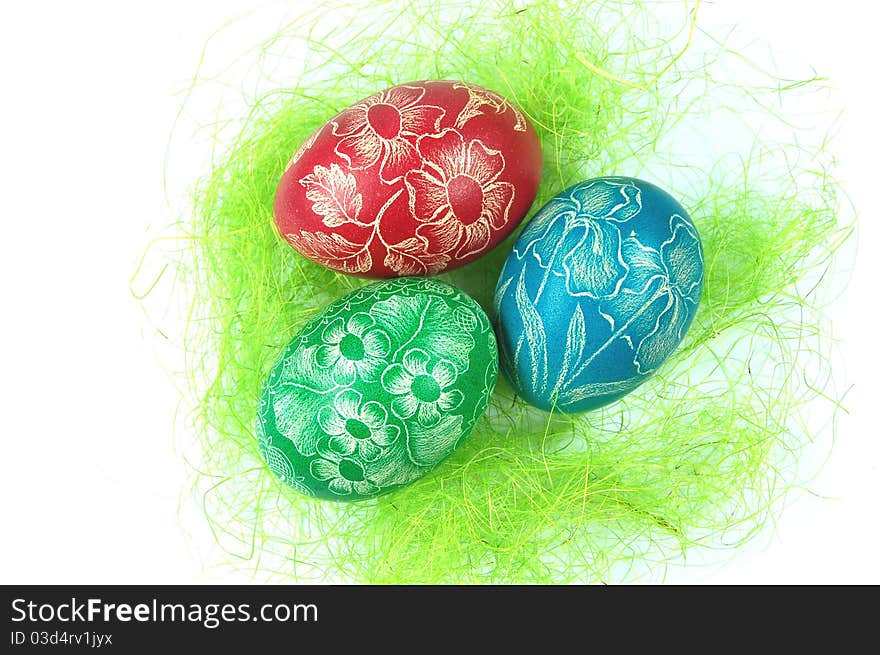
416, 179
377, 389
597, 292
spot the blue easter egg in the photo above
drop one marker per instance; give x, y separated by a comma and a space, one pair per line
598, 291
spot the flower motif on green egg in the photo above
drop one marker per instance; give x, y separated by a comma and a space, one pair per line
378, 389
357, 426
353, 348
584, 220
421, 388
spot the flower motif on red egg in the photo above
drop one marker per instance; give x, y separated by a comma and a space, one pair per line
383, 128
412, 180
456, 194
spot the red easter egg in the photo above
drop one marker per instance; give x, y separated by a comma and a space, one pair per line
414, 180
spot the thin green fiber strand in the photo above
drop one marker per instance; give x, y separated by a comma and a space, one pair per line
699, 456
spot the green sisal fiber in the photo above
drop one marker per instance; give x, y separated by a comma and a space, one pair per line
698, 458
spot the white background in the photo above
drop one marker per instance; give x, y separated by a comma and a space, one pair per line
90, 478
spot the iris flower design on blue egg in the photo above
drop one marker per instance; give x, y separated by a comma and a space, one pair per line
661, 293
597, 292
583, 220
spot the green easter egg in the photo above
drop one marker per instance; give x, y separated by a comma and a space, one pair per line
377, 389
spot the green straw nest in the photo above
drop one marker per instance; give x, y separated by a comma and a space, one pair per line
699, 456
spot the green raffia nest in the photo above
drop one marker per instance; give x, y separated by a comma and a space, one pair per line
700, 455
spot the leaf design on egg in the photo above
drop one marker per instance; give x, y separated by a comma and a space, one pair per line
291, 411
333, 194
594, 389
332, 250
533, 335
434, 331
428, 444
412, 257
503, 286
575, 340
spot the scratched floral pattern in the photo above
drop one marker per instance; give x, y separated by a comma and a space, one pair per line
407, 185
378, 389
597, 292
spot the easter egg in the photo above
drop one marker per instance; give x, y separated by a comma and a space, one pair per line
598, 291
377, 389
415, 179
